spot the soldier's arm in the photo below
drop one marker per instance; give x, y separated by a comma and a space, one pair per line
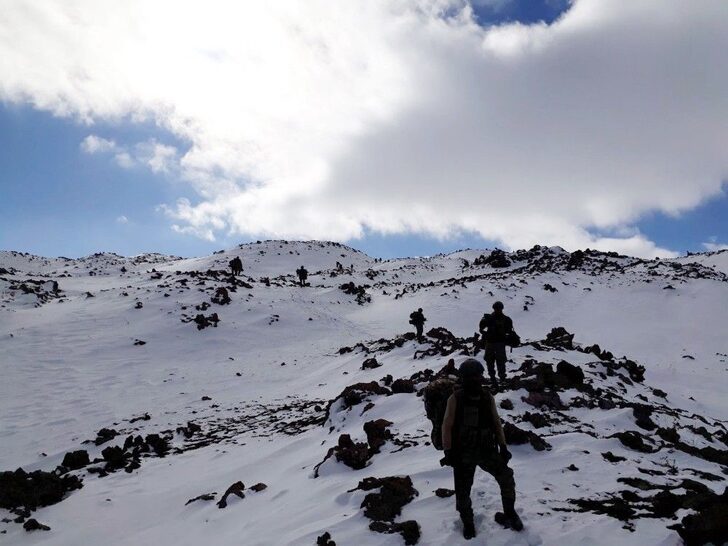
497, 427
447, 422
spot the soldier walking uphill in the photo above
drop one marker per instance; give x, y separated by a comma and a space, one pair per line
302, 273
472, 436
236, 266
417, 319
497, 331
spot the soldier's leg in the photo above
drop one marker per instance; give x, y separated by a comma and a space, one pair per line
419, 331
503, 474
463, 476
501, 359
490, 362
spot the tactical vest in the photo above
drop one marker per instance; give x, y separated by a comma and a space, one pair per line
473, 433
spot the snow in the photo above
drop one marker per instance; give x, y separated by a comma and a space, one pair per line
70, 367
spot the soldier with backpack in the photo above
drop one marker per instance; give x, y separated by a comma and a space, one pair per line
417, 319
472, 436
497, 332
302, 273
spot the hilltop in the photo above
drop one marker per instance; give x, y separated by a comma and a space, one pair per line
108, 354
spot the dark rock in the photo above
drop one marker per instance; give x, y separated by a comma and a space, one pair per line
355, 394
370, 364
506, 404
394, 493
518, 436
402, 386
612, 458
221, 297
203, 497
669, 434
410, 530
643, 419
35, 525
203, 322
114, 456
258, 487
549, 399
325, 540
73, 460
30, 490
159, 444
708, 525
538, 420
444, 493
559, 338
606, 404
235, 489
377, 433
573, 374
353, 454
634, 440
104, 435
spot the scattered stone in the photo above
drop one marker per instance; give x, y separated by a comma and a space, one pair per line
410, 530
394, 493
258, 487
203, 497
506, 404
370, 364
643, 419
203, 321
73, 460
708, 525
325, 540
377, 433
403, 386
444, 493
235, 489
104, 435
221, 297
612, 458
31, 490
35, 525
518, 436
634, 440
559, 338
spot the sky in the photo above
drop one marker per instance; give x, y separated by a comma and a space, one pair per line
400, 127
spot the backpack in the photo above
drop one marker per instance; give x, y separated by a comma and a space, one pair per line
473, 433
513, 339
435, 396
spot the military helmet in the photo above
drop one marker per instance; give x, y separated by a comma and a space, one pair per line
471, 368
498, 305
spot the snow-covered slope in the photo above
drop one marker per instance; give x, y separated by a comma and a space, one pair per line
131, 344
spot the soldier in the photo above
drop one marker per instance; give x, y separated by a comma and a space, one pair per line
472, 436
417, 319
495, 329
302, 273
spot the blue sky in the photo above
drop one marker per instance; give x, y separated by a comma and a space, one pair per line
57, 199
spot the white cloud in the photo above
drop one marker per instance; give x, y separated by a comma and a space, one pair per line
160, 158
712, 245
122, 219
93, 144
325, 119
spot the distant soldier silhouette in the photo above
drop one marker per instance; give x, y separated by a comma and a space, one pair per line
302, 273
496, 329
236, 266
417, 319
472, 436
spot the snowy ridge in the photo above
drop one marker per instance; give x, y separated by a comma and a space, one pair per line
192, 406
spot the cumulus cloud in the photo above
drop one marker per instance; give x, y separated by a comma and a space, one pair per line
712, 245
331, 119
93, 144
122, 219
